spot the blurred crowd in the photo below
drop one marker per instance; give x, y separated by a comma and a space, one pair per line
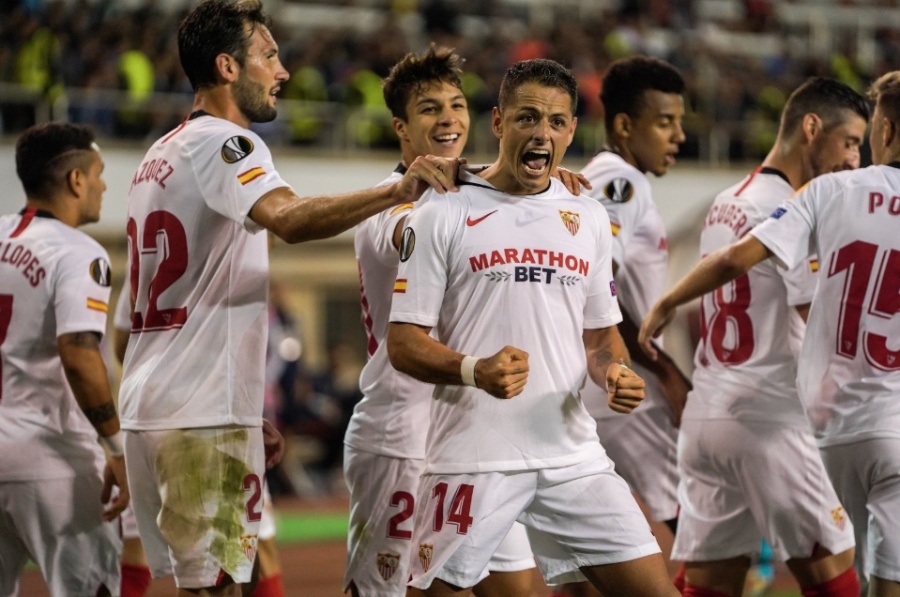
741, 57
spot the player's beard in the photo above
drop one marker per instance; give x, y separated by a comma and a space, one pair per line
253, 100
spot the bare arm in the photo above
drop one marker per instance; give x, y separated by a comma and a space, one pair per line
607, 364
120, 343
803, 310
414, 352
86, 373
297, 219
716, 269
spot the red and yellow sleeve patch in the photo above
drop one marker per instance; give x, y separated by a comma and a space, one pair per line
250, 175
614, 226
813, 265
400, 286
97, 305
402, 207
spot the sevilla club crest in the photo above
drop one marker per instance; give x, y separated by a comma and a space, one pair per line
426, 552
571, 220
387, 564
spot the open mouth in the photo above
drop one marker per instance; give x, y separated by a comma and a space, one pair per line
536, 161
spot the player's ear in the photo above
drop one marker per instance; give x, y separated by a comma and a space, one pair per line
400, 128
227, 67
497, 122
621, 125
812, 125
75, 182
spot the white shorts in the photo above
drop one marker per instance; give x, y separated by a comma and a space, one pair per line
267, 522
742, 481
866, 475
129, 522
382, 511
59, 524
643, 444
198, 499
580, 515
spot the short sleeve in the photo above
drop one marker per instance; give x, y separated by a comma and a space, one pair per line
81, 290
800, 281
602, 307
788, 231
625, 199
237, 174
423, 274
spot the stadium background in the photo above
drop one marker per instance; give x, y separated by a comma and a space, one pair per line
113, 65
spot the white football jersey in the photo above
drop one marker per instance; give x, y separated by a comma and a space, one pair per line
486, 269
641, 251
392, 417
849, 370
54, 280
199, 274
746, 361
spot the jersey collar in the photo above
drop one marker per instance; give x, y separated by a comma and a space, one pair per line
775, 171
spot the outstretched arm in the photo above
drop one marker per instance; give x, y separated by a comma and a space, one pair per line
86, 373
297, 219
714, 270
414, 352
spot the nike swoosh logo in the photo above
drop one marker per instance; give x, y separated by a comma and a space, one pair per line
471, 222
528, 218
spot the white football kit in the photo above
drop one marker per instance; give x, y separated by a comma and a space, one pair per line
385, 441
54, 280
849, 370
748, 462
196, 356
486, 269
641, 443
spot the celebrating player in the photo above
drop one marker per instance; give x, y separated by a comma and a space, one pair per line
847, 378
514, 258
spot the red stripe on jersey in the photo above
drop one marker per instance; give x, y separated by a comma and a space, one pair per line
371, 343
176, 131
749, 180
27, 217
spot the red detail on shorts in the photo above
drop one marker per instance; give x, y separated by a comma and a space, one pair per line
270, 586
135, 580
223, 579
27, 217
679, 580
692, 591
844, 585
749, 180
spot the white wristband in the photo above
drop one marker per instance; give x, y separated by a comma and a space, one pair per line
467, 371
113, 444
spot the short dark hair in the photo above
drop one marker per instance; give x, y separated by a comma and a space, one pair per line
885, 92
828, 98
416, 72
542, 71
46, 152
627, 79
215, 27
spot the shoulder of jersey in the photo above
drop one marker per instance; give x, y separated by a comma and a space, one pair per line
615, 180
233, 143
